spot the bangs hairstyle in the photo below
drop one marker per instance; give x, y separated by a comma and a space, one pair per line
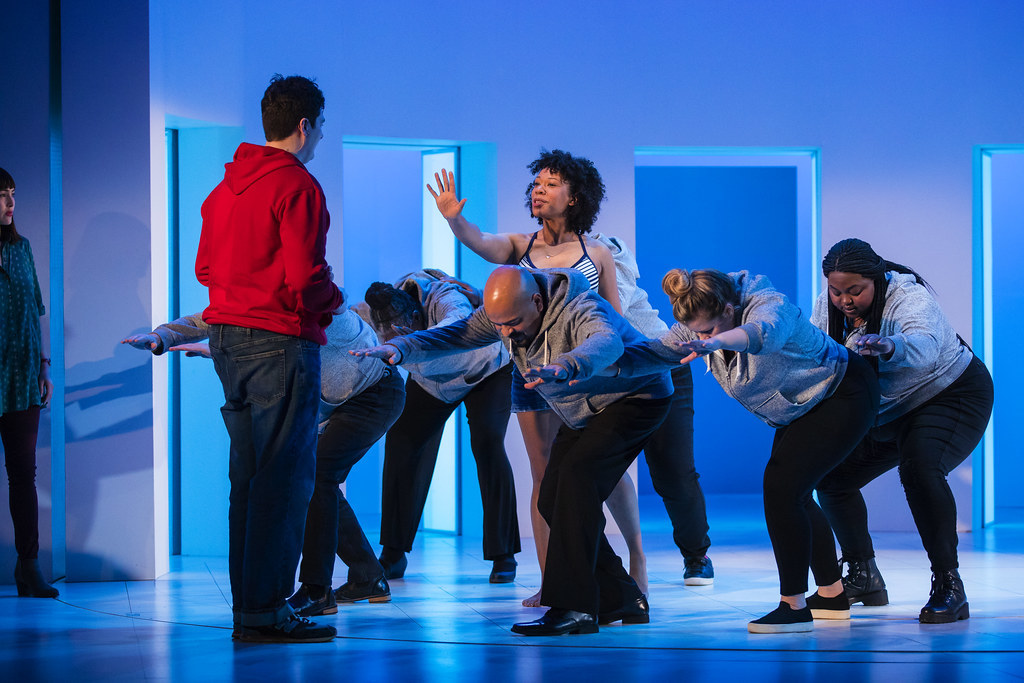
389, 305
8, 233
585, 186
856, 256
286, 102
696, 293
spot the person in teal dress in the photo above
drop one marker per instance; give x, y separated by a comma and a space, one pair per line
25, 388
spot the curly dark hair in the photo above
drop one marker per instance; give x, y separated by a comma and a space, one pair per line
286, 102
585, 185
856, 256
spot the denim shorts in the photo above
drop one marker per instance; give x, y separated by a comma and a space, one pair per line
525, 400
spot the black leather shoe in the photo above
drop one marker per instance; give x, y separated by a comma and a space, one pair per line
377, 590
634, 612
948, 602
863, 583
396, 569
557, 622
310, 603
503, 570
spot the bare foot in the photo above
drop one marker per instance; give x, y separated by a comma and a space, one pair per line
638, 571
533, 600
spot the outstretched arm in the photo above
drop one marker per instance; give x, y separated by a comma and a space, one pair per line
490, 247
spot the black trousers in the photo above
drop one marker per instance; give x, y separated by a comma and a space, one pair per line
331, 524
927, 444
582, 572
803, 452
669, 454
410, 453
19, 431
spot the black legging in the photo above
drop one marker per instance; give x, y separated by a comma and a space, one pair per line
927, 444
19, 431
410, 453
803, 452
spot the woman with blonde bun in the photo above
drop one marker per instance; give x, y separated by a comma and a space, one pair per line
820, 399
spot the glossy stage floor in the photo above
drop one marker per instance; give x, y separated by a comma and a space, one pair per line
446, 622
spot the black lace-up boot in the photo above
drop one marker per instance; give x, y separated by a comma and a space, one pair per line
863, 583
948, 602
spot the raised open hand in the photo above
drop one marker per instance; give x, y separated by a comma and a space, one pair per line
447, 202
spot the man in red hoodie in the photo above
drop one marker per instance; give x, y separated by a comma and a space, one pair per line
261, 254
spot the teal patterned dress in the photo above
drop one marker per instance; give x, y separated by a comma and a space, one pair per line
21, 304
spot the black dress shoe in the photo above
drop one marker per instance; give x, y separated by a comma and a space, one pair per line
396, 569
557, 622
310, 602
376, 590
948, 601
633, 612
503, 570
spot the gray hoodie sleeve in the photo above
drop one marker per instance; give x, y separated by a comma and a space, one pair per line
448, 305
654, 355
467, 333
596, 343
819, 317
917, 338
184, 330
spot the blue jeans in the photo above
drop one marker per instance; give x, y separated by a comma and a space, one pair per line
331, 525
271, 395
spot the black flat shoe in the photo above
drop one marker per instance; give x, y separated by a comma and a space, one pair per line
396, 569
783, 619
634, 612
557, 622
503, 570
307, 603
377, 590
948, 601
837, 607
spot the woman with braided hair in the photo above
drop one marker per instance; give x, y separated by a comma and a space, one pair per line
936, 402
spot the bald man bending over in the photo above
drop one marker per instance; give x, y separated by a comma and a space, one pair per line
561, 335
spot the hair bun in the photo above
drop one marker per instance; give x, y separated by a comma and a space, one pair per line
379, 295
677, 282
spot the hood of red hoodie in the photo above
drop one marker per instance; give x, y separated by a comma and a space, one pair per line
252, 162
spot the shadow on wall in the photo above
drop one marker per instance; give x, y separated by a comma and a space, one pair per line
108, 403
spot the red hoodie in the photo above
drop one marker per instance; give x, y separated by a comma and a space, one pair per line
261, 251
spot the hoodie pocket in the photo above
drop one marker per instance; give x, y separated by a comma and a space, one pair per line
778, 410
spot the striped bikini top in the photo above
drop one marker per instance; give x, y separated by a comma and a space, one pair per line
585, 265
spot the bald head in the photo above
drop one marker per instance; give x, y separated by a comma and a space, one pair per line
513, 303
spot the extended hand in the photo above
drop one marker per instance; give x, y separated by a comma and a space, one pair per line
447, 202
875, 345
146, 342
193, 349
387, 353
548, 373
402, 330
700, 347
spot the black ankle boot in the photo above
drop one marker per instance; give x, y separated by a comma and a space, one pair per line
30, 581
863, 583
948, 602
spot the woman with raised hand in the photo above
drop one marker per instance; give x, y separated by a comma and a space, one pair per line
564, 198
25, 389
820, 399
936, 403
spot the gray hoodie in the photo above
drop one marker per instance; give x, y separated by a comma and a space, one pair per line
579, 331
928, 356
789, 367
342, 375
635, 306
451, 377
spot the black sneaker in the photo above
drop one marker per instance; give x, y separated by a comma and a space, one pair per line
783, 619
293, 630
311, 602
829, 608
698, 571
